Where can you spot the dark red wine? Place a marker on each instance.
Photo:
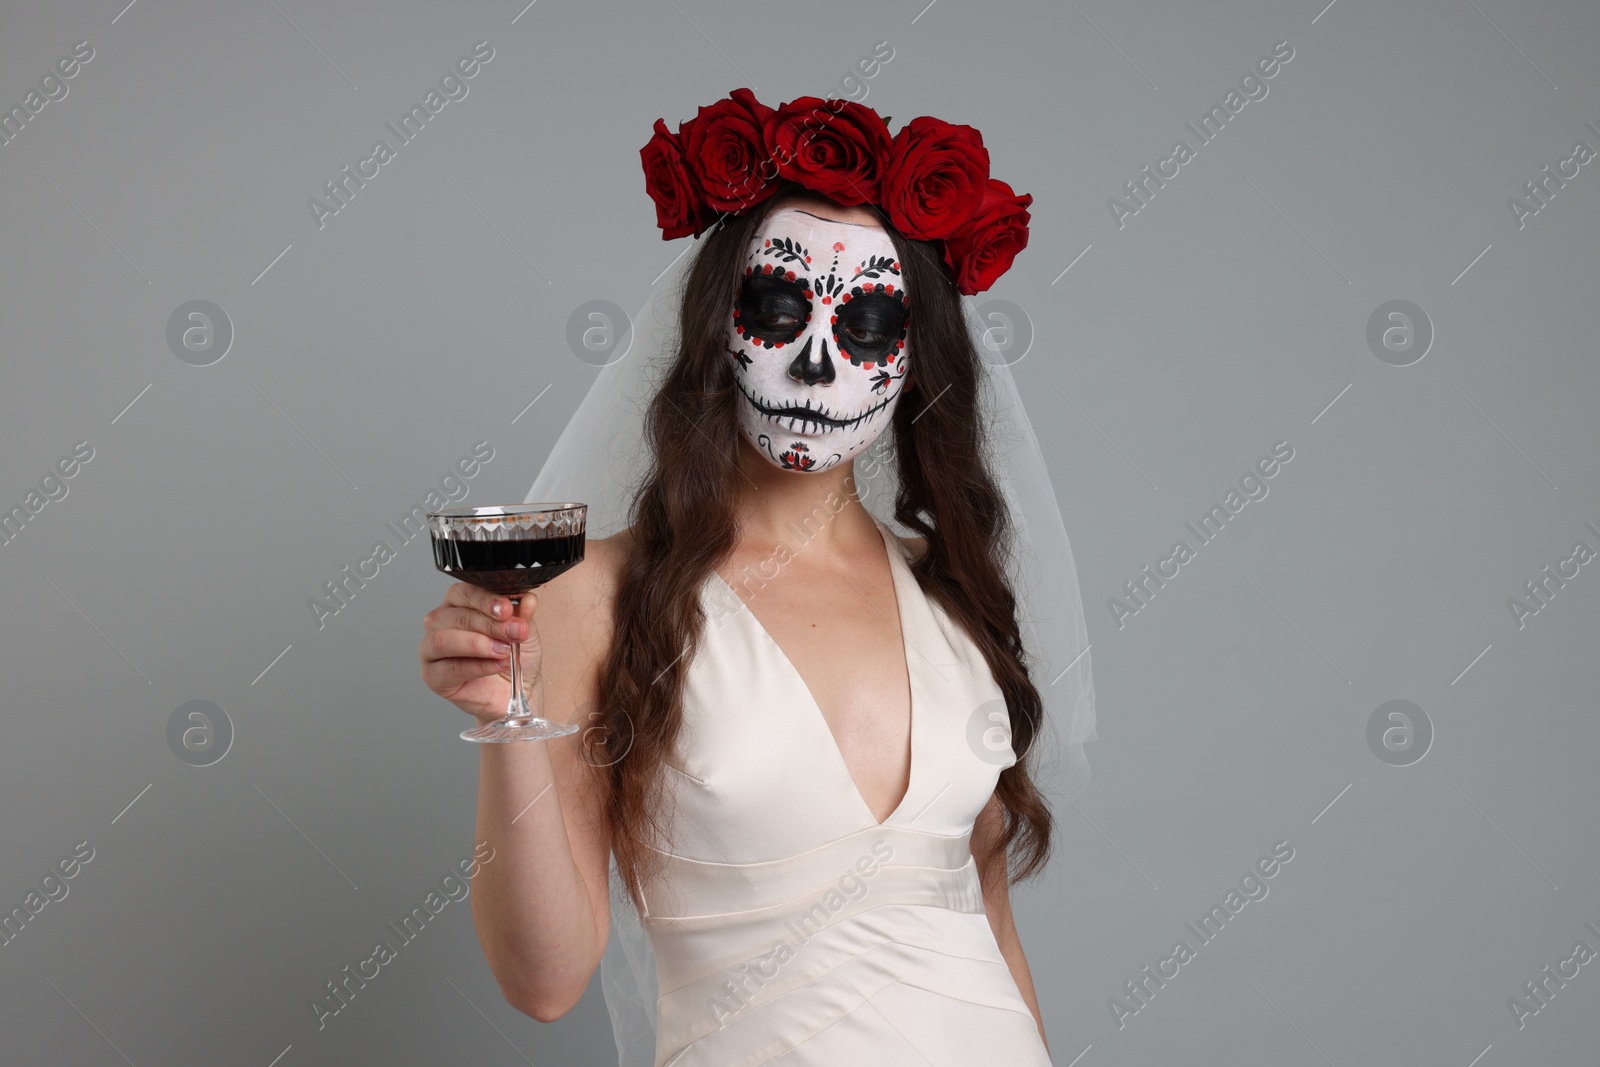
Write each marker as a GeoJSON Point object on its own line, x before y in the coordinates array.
{"type": "Point", "coordinates": [508, 567]}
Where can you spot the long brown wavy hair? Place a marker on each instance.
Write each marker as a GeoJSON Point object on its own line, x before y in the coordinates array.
{"type": "Point", "coordinates": [683, 524]}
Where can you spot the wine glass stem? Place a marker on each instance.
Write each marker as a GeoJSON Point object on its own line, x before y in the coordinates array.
{"type": "Point", "coordinates": [517, 708]}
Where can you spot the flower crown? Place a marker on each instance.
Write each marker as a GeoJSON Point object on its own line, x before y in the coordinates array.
{"type": "Point", "coordinates": [931, 179]}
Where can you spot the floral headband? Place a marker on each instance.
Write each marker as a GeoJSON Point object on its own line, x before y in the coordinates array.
{"type": "Point", "coordinates": [931, 179]}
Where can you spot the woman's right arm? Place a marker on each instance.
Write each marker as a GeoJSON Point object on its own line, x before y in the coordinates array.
{"type": "Point", "coordinates": [542, 904]}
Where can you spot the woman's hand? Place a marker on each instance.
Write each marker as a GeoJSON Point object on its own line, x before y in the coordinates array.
{"type": "Point", "coordinates": [466, 650]}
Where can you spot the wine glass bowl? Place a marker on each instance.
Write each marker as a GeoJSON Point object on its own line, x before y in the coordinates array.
{"type": "Point", "coordinates": [510, 550]}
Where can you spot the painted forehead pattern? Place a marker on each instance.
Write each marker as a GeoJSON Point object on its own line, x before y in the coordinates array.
{"type": "Point", "coordinates": [832, 260]}
{"type": "Point", "coordinates": [794, 228]}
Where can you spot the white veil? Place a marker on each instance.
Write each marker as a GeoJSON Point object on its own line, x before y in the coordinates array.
{"type": "Point", "coordinates": [599, 458]}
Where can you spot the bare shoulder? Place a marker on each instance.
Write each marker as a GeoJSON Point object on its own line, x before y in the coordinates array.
{"type": "Point", "coordinates": [912, 547]}
{"type": "Point", "coordinates": [576, 609]}
{"type": "Point", "coordinates": [604, 559]}
{"type": "Point", "coordinates": [591, 586]}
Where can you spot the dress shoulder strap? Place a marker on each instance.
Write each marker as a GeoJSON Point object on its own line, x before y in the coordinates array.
{"type": "Point", "coordinates": [907, 553]}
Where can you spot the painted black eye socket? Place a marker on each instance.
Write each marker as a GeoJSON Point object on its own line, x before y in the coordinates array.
{"type": "Point", "coordinates": [870, 326]}
{"type": "Point", "coordinates": [771, 309]}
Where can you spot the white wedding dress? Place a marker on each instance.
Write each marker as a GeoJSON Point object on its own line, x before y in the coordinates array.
{"type": "Point", "coordinates": [789, 927]}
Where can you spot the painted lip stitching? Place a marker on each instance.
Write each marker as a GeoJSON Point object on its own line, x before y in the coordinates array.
{"type": "Point", "coordinates": [808, 414]}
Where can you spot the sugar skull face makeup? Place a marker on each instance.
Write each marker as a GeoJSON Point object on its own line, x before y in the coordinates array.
{"type": "Point", "coordinates": [818, 335]}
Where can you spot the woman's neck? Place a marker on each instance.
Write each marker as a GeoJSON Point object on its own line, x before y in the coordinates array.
{"type": "Point", "coordinates": [776, 503]}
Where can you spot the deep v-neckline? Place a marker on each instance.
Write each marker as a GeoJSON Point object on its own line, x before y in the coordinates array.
{"type": "Point", "coordinates": [896, 562]}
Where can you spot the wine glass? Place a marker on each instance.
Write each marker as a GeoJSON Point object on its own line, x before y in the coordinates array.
{"type": "Point", "coordinates": [510, 550]}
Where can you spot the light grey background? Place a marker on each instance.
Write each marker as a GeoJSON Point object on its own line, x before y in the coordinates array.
{"type": "Point", "coordinates": [1227, 315]}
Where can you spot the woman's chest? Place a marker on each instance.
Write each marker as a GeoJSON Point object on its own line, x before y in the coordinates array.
{"type": "Point", "coordinates": [757, 772]}
{"type": "Point", "coordinates": [843, 638]}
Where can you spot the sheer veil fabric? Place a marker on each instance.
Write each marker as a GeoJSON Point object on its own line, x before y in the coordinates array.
{"type": "Point", "coordinates": [599, 459]}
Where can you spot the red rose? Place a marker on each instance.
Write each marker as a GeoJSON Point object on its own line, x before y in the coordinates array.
{"type": "Point", "coordinates": [680, 211]}
{"type": "Point", "coordinates": [838, 148]}
{"type": "Point", "coordinates": [983, 249]}
{"type": "Point", "coordinates": [936, 178]}
{"type": "Point", "coordinates": [725, 147]}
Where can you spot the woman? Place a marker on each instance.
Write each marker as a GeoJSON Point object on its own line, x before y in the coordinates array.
{"type": "Point", "coordinates": [781, 691]}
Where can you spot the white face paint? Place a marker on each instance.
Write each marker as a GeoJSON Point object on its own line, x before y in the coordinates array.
{"type": "Point", "coordinates": [818, 338]}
